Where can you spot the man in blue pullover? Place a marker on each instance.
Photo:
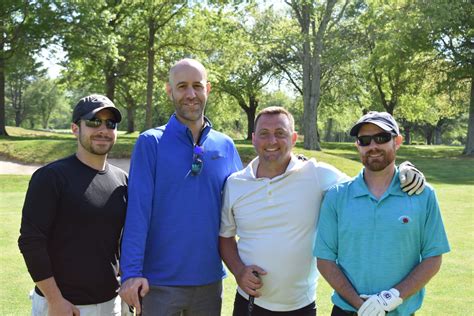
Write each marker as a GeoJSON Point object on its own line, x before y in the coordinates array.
{"type": "Point", "coordinates": [170, 256]}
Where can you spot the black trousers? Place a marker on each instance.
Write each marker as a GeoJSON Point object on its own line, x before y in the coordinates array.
{"type": "Point", "coordinates": [241, 309]}
{"type": "Point", "coordinates": [336, 311]}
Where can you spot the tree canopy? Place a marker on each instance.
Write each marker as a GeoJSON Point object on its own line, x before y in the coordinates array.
{"type": "Point", "coordinates": [328, 61]}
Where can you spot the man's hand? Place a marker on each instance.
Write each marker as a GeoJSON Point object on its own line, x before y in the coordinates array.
{"type": "Point", "coordinates": [386, 301]}
{"type": "Point", "coordinates": [248, 281]}
{"type": "Point", "coordinates": [62, 307]}
{"type": "Point", "coordinates": [412, 180]}
{"type": "Point", "coordinates": [130, 290]}
{"type": "Point", "coordinates": [371, 307]}
{"type": "Point", "coordinates": [389, 299]}
{"type": "Point", "coordinates": [57, 304]}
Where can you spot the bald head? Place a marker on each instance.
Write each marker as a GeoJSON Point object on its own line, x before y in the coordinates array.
{"type": "Point", "coordinates": [184, 63]}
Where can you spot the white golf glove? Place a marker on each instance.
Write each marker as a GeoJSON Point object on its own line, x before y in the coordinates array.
{"type": "Point", "coordinates": [385, 301]}
{"type": "Point", "coordinates": [412, 180]}
{"type": "Point", "coordinates": [371, 307]}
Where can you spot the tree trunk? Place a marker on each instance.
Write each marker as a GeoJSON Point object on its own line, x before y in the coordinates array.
{"type": "Point", "coordinates": [250, 122]}
{"type": "Point", "coordinates": [150, 72]}
{"type": "Point", "coordinates": [47, 113]}
{"type": "Point", "coordinates": [438, 131]}
{"type": "Point", "coordinates": [328, 136]}
{"type": "Point", "coordinates": [429, 135]}
{"type": "Point", "coordinates": [18, 105]}
{"type": "Point", "coordinates": [3, 123]}
{"type": "Point", "coordinates": [437, 135]}
{"type": "Point", "coordinates": [250, 111]}
{"type": "Point", "coordinates": [308, 127]}
{"type": "Point", "coordinates": [312, 142]}
{"type": "Point", "coordinates": [131, 106]}
{"type": "Point", "coordinates": [110, 81]}
{"type": "Point", "coordinates": [44, 119]}
{"type": "Point", "coordinates": [312, 70]}
{"type": "Point", "coordinates": [407, 135]}
{"type": "Point", "coordinates": [3, 131]}
{"type": "Point", "coordinates": [18, 118]}
{"type": "Point", "coordinates": [130, 119]}
{"type": "Point", "coordinates": [469, 149]}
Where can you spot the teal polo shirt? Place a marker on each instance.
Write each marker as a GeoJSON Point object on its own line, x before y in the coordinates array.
{"type": "Point", "coordinates": [377, 243]}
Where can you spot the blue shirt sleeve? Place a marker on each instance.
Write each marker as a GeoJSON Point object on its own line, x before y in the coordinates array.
{"type": "Point", "coordinates": [326, 244]}
{"type": "Point", "coordinates": [140, 202]}
{"type": "Point", "coordinates": [435, 241]}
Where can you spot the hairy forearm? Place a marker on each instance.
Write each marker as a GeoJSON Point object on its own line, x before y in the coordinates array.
{"type": "Point", "coordinates": [50, 289]}
{"type": "Point", "coordinates": [230, 254]}
{"type": "Point", "coordinates": [57, 304]}
{"type": "Point", "coordinates": [419, 276]}
{"type": "Point", "coordinates": [339, 282]}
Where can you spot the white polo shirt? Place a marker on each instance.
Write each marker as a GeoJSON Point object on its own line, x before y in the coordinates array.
{"type": "Point", "coordinates": [275, 220]}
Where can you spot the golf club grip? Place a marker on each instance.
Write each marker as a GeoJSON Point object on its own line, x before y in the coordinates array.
{"type": "Point", "coordinates": [140, 299]}
{"type": "Point", "coordinates": [251, 298]}
{"type": "Point", "coordinates": [250, 306]}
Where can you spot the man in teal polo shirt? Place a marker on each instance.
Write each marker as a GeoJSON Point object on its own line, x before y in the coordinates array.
{"type": "Point", "coordinates": [376, 246]}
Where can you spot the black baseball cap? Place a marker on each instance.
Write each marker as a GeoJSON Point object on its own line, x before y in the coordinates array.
{"type": "Point", "coordinates": [382, 119]}
{"type": "Point", "coordinates": [88, 106]}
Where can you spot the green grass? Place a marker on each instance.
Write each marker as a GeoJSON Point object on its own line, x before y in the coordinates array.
{"type": "Point", "coordinates": [449, 293]}
{"type": "Point", "coordinates": [40, 147]}
{"type": "Point", "coordinates": [15, 280]}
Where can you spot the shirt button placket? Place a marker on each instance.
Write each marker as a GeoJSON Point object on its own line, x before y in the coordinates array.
{"type": "Point", "coordinates": [269, 192]}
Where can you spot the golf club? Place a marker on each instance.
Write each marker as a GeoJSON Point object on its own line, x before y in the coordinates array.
{"type": "Point", "coordinates": [251, 298]}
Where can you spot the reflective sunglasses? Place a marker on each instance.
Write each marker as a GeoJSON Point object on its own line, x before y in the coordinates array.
{"type": "Point", "coordinates": [380, 138]}
{"type": "Point", "coordinates": [197, 164]}
{"type": "Point", "coordinates": [95, 123]}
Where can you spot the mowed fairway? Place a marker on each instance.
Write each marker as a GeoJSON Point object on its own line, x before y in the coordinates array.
{"type": "Point", "coordinates": [15, 282]}
{"type": "Point", "coordinates": [449, 293]}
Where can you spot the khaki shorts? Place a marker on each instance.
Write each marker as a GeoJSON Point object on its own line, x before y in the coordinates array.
{"type": "Point", "coordinates": [110, 308]}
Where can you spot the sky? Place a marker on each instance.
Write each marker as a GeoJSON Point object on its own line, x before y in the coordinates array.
{"type": "Point", "coordinates": [51, 57]}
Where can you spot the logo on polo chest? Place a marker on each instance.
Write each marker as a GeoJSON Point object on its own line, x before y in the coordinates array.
{"type": "Point", "coordinates": [404, 219]}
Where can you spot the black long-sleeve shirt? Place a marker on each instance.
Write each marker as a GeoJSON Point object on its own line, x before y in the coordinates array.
{"type": "Point", "coordinates": [71, 226]}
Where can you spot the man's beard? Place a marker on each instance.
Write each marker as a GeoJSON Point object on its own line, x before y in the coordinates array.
{"type": "Point", "coordinates": [378, 163]}
{"type": "Point", "coordinates": [95, 149]}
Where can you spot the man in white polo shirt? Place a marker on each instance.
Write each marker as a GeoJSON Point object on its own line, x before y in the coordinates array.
{"type": "Point", "coordinates": [273, 206]}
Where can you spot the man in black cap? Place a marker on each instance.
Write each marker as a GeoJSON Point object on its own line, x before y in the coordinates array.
{"type": "Point", "coordinates": [376, 246]}
{"type": "Point", "coordinates": [72, 220]}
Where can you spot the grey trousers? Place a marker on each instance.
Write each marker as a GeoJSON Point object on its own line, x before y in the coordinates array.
{"type": "Point", "coordinates": [205, 300]}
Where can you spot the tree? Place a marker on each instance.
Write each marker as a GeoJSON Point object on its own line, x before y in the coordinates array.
{"type": "Point", "coordinates": [313, 34]}
{"type": "Point", "coordinates": [24, 26]}
{"type": "Point", "coordinates": [94, 58]}
{"type": "Point", "coordinates": [44, 96]}
{"type": "Point", "coordinates": [158, 15]}
{"type": "Point", "coordinates": [23, 70]}
{"type": "Point", "coordinates": [244, 67]}
{"type": "Point", "coordinates": [124, 52]}
{"type": "Point", "coordinates": [450, 26]}
{"type": "Point", "coordinates": [245, 85]}
{"type": "Point", "coordinates": [395, 64]}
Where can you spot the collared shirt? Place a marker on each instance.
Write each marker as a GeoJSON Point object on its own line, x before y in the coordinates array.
{"type": "Point", "coordinates": [172, 226]}
{"type": "Point", "coordinates": [275, 220]}
{"type": "Point", "coordinates": [377, 242]}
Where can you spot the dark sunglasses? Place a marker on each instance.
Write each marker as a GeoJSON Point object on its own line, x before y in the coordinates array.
{"type": "Point", "coordinates": [95, 123]}
{"type": "Point", "coordinates": [197, 164]}
{"type": "Point", "coordinates": [380, 138]}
